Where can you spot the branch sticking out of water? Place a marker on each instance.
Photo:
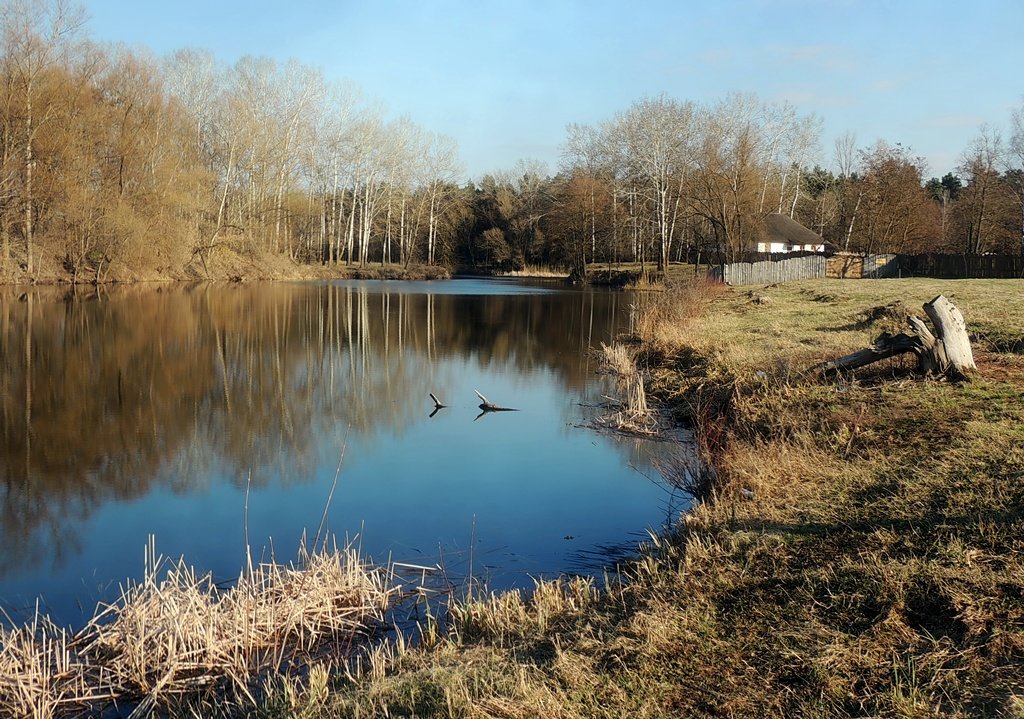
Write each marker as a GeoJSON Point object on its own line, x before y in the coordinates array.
{"type": "Point", "coordinates": [487, 406]}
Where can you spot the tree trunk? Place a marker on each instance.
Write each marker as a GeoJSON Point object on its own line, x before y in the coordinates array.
{"type": "Point", "coordinates": [487, 406]}
{"type": "Point", "coordinates": [853, 219]}
{"type": "Point", "coordinates": [952, 333]}
{"type": "Point", "coordinates": [28, 181]}
{"type": "Point", "coordinates": [946, 353]}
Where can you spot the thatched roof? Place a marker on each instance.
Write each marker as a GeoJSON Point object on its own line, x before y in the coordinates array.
{"type": "Point", "coordinates": [780, 228]}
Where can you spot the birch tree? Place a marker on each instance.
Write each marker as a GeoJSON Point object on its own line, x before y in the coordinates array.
{"type": "Point", "coordinates": [656, 137]}
{"type": "Point", "coordinates": [35, 35]}
{"type": "Point", "coordinates": [195, 80]}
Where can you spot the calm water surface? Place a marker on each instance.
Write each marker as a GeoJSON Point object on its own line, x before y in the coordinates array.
{"type": "Point", "coordinates": [149, 412]}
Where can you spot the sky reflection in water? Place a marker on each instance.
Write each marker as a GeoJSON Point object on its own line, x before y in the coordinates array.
{"type": "Point", "coordinates": [149, 412]}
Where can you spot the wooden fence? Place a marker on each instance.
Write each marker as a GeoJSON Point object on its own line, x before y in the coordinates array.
{"type": "Point", "coordinates": [956, 267]}
{"type": "Point", "coordinates": [766, 273]}
{"type": "Point", "coordinates": [852, 266]}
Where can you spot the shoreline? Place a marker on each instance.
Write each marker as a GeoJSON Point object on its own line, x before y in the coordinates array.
{"type": "Point", "coordinates": [858, 546]}
{"type": "Point", "coordinates": [232, 267]}
{"type": "Point", "coordinates": [857, 551]}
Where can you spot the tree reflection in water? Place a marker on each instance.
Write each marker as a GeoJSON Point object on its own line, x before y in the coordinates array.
{"type": "Point", "coordinates": [110, 395]}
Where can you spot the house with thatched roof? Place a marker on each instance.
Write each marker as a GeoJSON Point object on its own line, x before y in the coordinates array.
{"type": "Point", "coordinates": [784, 234]}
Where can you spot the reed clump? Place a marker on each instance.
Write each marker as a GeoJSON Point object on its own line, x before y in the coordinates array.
{"type": "Point", "coordinates": [175, 641]}
{"type": "Point", "coordinates": [633, 415]}
{"type": "Point", "coordinates": [669, 319]}
{"type": "Point", "coordinates": [662, 322]}
{"type": "Point", "coordinates": [542, 271]}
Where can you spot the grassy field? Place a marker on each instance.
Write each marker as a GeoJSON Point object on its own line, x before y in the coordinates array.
{"type": "Point", "coordinates": [860, 549]}
{"type": "Point", "coordinates": [870, 527]}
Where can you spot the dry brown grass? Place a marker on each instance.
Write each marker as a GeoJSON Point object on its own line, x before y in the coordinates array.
{"type": "Point", "coordinates": [669, 319]}
{"type": "Point", "coordinates": [632, 414]}
{"type": "Point", "coordinates": [800, 322]}
{"type": "Point", "coordinates": [538, 271]}
{"type": "Point", "coordinates": [647, 283]}
{"type": "Point", "coordinates": [662, 321]}
{"type": "Point", "coordinates": [377, 271]}
{"type": "Point", "coordinates": [859, 554]}
{"type": "Point", "coordinates": [176, 641]}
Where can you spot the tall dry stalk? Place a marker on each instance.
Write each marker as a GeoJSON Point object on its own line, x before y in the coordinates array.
{"type": "Point", "coordinates": [633, 414]}
{"type": "Point", "coordinates": [666, 319]}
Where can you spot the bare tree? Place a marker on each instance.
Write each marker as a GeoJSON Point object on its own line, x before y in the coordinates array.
{"type": "Point", "coordinates": [1015, 166]}
{"type": "Point", "coordinates": [845, 152]}
{"type": "Point", "coordinates": [979, 167]}
{"type": "Point", "coordinates": [656, 138]}
{"type": "Point", "coordinates": [35, 34]}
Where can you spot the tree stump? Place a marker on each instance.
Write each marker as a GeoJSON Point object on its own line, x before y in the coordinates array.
{"type": "Point", "coordinates": [947, 352]}
{"type": "Point", "coordinates": [954, 354]}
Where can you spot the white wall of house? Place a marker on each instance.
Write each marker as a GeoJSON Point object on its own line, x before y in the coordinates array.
{"type": "Point", "coordinates": [784, 247]}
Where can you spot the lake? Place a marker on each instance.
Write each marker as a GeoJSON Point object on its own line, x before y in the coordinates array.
{"type": "Point", "coordinates": [206, 414]}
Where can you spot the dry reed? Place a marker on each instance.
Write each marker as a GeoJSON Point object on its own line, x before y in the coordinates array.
{"type": "Point", "coordinates": [647, 283]}
{"type": "Point", "coordinates": [669, 318]}
{"type": "Point", "coordinates": [633, 414]}
{"type": "Point", "coordinates": [176, 640]}
{"type": "Point", "coordinates": [537, 271]}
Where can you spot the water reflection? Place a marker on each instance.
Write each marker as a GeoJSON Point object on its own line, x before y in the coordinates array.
{"type": "Point", "coordinates": [118, 402]}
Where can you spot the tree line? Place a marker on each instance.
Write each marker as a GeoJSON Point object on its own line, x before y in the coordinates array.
{"type": "Point", "coordinates": [114, 162]}
{"type": "Point", "coordinates": [111, 157]}
{"type": "Point", "coordinates": [667, 180]}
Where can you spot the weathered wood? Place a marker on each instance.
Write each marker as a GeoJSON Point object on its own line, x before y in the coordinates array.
{"type": "Point", "coordinates": [487, 406]}
{"type": "Point", "coordinates": [765, 273]}
{"type": "Point", "coordinates": [927, 362]}
{"type": "Point", "coordinates": [437, 404]}
{"type": "Point", "coordinates": [887, 345]}
{"type": "Point", "coordinates": [956, 357]}
{"type": "Point", "coordinates": [948, 352]}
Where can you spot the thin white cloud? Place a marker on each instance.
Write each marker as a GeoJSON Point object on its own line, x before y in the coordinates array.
{"type": "Point", "coordinates": [958, 120]}
{"type": "Point", "coordinates": [717, 56]}
{"type": "Point", "coordinates": [808, 99]}
{"type": "Point", "coordinates": [829, 57]}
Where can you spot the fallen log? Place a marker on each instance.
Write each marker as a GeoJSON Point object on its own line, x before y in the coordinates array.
{"type": "Point", "coordinates": [487, 406]}
{"type": "Point", "coordinates": [885, 345]}
{"type": "Point", "coordinates": [947, 352]}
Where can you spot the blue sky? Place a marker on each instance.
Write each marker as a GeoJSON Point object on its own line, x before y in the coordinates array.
{"type": "Point", "coordinates": [505, 77]}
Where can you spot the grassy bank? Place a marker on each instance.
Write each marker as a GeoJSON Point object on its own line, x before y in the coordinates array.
{"type": "Point", "coordinates": [859, 552]}
{"type": "Point", "coordinates": [633, 275]}
{"type": "Point", "coordinates": [226, 265]}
